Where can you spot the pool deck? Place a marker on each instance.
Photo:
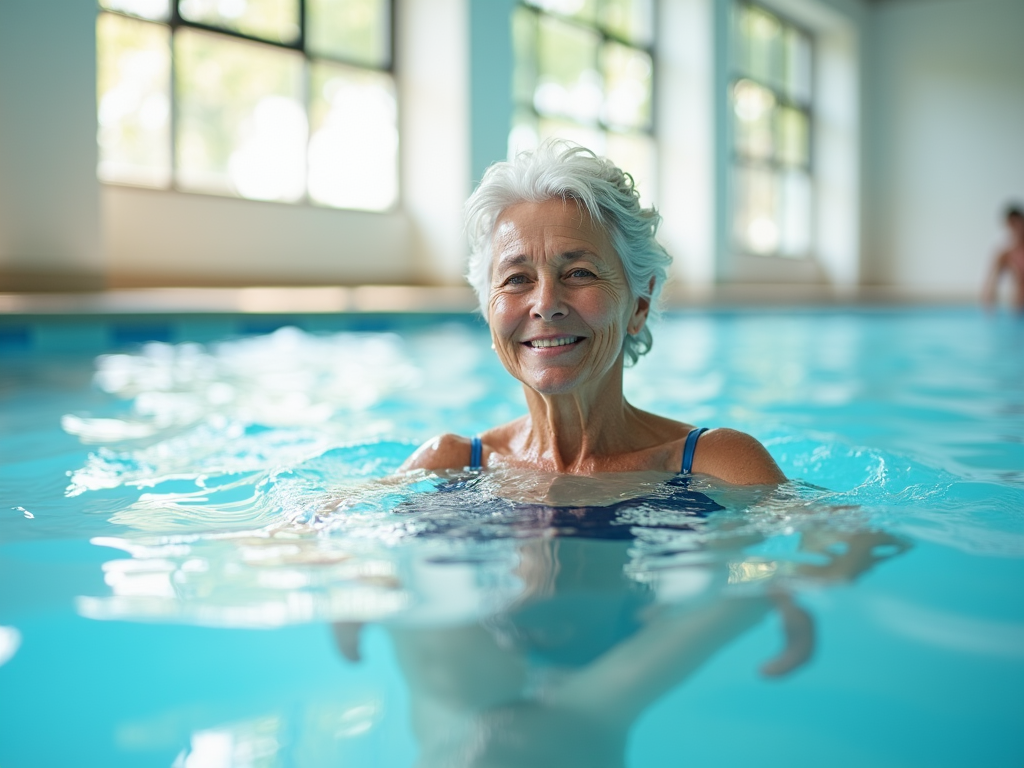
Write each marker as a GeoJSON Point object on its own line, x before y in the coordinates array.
{"type": "Point", "coordinates": [407, 298]}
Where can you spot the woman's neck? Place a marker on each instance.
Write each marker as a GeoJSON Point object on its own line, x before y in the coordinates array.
{"type": "Point", "coordinates": [570, 432]}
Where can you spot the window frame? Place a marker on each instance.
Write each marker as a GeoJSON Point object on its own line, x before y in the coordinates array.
{"type": "Point", "coordinates": [606, 36]}
{"type": "Point", "coordinates": [738, 160]}
{"type": "Point", "coordinates": [175, 21]}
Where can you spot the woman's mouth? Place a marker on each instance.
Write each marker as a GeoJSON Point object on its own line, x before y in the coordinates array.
{"type": "Point", "coordinates": [560, 341]}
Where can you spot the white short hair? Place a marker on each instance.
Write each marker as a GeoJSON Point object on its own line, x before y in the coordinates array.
{"type": "Point", "coordinates": [560, 169]}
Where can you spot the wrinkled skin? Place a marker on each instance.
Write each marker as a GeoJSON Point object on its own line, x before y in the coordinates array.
{"type": "Point", "coordinates": [556, 275]}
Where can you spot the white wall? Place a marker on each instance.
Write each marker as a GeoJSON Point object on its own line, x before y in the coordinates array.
{"type": "Point", "coordinates": [49, 199]}
{"type": "Point", "coordinates": [61, 229]}
{"type": "Point", "coordinates": [172, 238]}
{"type": "Point", "coordinates": [433, 71]}
{"type": "Point", "coordinates": [945, 139]}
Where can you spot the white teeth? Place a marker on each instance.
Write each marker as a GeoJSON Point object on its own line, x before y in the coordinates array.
{"type": "Point", "coordinates": [554, 342]}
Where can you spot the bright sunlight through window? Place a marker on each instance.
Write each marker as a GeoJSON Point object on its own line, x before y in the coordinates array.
{"type": "Point", "coordinates": [283, 100]}
{"type": "Point", "coordinates": [771, 103]}
{"type": "Point", "coordinates": [584, 71]}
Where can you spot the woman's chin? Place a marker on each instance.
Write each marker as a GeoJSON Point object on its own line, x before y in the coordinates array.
{"type": "Point", "coordinates": [552, 391]}
{"type": "Point", "coordinates": [565, 379]}
{"type": "Point", "coordinates": [552, 381]}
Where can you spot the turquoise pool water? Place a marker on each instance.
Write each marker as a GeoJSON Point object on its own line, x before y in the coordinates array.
{"type": "Point", "coordinates": [201, 565]}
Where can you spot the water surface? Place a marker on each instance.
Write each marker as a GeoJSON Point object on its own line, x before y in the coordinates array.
{"type": "Point", "coordinates": [205, 564]}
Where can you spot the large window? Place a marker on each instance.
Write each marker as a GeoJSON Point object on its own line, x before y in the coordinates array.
{"type": "Point", "coordinates": [584, 71]}
{"type": "Point", "coordinates": [771, 103]}
{"type": "Point", "coordinates": [287, 100]}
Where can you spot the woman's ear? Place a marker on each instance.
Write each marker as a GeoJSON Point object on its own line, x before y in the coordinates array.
{"type": "Point", "coordinates": [641, 310]}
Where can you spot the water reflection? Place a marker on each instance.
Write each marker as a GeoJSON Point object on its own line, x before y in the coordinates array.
{"type": "Point", "coordinates": [527, 631]}
{"type": "Point", "coordinates": [599, 630]}
{"type": "Point", "coordinates": [10, 640]}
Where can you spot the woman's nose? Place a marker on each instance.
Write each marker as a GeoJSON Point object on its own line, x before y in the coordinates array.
{"type": "Point", "coordinates": [548, 300]}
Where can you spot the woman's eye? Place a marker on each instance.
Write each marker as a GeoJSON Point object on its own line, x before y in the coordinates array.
{"type": "Point", "coordinates": [580, 272]}
{"type": "Point", "coordinates": [515, 280]}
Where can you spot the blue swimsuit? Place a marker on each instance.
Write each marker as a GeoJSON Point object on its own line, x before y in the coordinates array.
{"type": "Point", "coordinates": [574, 627]}
{"type": "Point", "coordinates": [614, 521]}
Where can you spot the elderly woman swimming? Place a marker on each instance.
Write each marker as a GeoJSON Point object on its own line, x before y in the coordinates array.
{"type": "Point", "coordinates": [567, 269]}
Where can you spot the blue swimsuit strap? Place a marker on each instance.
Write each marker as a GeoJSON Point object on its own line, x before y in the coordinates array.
{"type": "Point", "coordinates": [690, 447]}
{"type": "Point", "coordinates": [476, 453]}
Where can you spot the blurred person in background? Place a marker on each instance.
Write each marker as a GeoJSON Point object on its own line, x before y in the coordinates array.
{"type": "Point", "coordinates": [1010, 259]}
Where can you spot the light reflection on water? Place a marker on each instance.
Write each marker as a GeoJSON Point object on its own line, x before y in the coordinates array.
{"type": "Point", "coordinates": [403, 554]}
{"type": "Point", "coordinates": [242, 487]}
{"type": "Point", "coordinates": [256, 458]}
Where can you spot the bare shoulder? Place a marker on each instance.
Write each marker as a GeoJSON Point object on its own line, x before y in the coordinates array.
{"type": "Point", "coordinates": [735, 457]}
{"type": "Point", "coordinates": [442, 452]}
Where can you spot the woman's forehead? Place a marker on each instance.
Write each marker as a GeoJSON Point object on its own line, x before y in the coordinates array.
{"type": "Point", "coordinates": [568, 210]}
{"type": "Point", "coordinates": [528, 226]}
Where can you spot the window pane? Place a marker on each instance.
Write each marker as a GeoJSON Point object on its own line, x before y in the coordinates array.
{"type": "Point", "coordinates": [591, 138]}
{"type": "Point", "coordinates": [756, 226]}
{"type": "Point", "coordinates": [740, 38]}
{"type": "Point", "coordinates": [572, 82]}
{"type": "Point", "coordinates": [793, 144]}
{"type": "Point", "coordinates": [133, 101]}
{"type": "Point", "coordinates": [761, 45]}
{"type": "Point", "coordinates": [634, 153]}
{"type": "Point", "coordinates": [241, 122]}
{"type": "Point", "coordinates": [772, 123]}
{"type": "Point", "coordinates": [584, 10]}
{"type": "Point", "coordinates": [795, 190]}
{"type": "Point", "coordinates": [353, 30]}
{"type": "Point", "coordinates": [524, 51]}
{"type": "Point", "coordinates": [569, 82]}
{"type": "Point", "coordinates": [754, 108]}
{"type": "Point", "coordinates": [525, 133]}
{"type": "Point", "coordinates": [353, 151]}
{"type": "Point", "coordinates": [270, 19]}
{"type": "Point", "coordinates": [627, 78]}
{"type": "Point", "coordinates": [798, 66]}
{"type": "Point", "coordinates": [631, 20]}
{"type": "Point", "coordinates": [157, 10]}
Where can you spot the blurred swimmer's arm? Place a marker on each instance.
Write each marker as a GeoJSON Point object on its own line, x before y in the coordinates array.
{"type": "Point", "coordinates": [988, 294]}
{"type": "Point", "coordinates": [736, 458]}
{"type": "Point", "coordinates": [671, 647]}
{"type": "Point", "coordinates": [845, 555]}
{"type": "Point", "coordinates": [441, 452]}
{"type": "Point", "coordinates": [346, 639]}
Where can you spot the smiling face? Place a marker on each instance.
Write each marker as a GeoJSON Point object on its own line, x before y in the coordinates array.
{"type": "Point", "coordinates": [559, 306]}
